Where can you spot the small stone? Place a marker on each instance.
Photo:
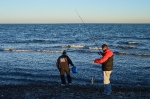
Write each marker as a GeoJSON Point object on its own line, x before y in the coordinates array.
{"type": "Point", "coordinates": [131, 94]}
{"type": "Point", "coordinates": [71, 94]}
{"type": "Point", "coordinates": [120, 93]}
{"type": "Point", "coordinates": [2, 95]}
{"type": "Point", "coordinates": [120, 97]}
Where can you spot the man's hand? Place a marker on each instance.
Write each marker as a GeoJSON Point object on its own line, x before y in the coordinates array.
{"type": "Point", "coordinates": [100, 53]}
{"type": "Point", "coordinates": [93, 62]}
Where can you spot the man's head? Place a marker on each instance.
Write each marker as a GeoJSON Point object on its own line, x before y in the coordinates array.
{"type": "Point", "coordinates": [104, 47]}
{"type": "Point", "coordinates": [64, 52]}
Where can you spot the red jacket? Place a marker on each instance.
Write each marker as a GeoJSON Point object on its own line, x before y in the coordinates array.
{"type": "Point", "coordinates": [106, 60]}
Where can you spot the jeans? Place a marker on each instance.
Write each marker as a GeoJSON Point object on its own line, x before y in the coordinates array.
{"type": "Point", "coordinates": [106, 81]}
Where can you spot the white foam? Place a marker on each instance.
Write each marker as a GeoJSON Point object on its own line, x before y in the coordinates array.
{"type": "Point", "coordinates": [94, 48]}
{"type": "Point", "coordinates": [132, 42]}
{"type": "Point", "coordinates": [76, 46]}
{"type": "Point", "coordinates": [52, 51]}
{"type": "Point", "coordinates": [24, 50]}
{"type": "Point", "coordinates": [143, 54]}
{"type": "Point", "coordinates": [7, 49]}
{"type": "Point", "coordinates": [65, 46]}
{"type": "Point", "coordinates": [73, 46]}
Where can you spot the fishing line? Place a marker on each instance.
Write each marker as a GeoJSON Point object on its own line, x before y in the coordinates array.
{"type": "Point", "coordinates": [92, 80]}
{"type": "Point", "coordinates": [88, 31]}
{"type": "Point", "coordinates": [93, 40]}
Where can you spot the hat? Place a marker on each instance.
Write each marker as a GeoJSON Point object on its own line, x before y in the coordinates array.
{"type": "Point", "coordinates": [104, 45]}
{"type": "Point", "coordinates": [64, 52]}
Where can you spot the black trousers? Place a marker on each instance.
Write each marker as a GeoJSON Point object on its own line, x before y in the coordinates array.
{"type": "Point", "coordinates": [63, 81]}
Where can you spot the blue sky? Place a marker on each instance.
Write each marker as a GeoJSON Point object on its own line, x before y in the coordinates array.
{"type": "Point", "coordinates": [63, 11]}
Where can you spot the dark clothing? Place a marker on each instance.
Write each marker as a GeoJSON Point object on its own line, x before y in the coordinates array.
{"type": "Point", "coordinates": [64, 61]}
{"type": "Point", "coordinates": [63, 81]}
{"type": "Point", "coordinates": [108, 64]}
{"type": "Point", "coordinates": [63, 65]}
{"type": "Point", "coordinates": [106, 60]}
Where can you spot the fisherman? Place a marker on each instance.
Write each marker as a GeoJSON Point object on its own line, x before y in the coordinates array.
{"type": "Point", "coordinates": [63, 65]}
{"type": "Point", "coordinates": [107, 65]}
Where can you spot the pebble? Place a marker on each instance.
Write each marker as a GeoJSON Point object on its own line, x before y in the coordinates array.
{"type": "Point", "coordinates": [131, 94]}
{"type": "Point", "coordinates": [73, 92]}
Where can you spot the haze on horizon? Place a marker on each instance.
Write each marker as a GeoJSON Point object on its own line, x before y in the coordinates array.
{"type": "Point", "coordinates": [63, 11]}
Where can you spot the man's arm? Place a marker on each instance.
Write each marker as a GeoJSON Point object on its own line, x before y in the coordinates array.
{"type": "Point", "coordinates": [101, 60]}
{"type": "Point", "coordinates": [69, 61]}
{"type": "Point", "coordinates": [57, 63]}
{"type": "Point", "coordinates": [104, 58]}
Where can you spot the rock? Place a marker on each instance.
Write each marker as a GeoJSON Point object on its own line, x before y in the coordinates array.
{"type": "Point", "coordinates": [120, 94]}
{"type": "Point", "coordinates": [2, 95]}
{"type": "Point", "coordinates": [120, 97]}
{"type": "Point", "coordinates": [131, 94]}
{"type": "Point", "coordinates": [55, 91]}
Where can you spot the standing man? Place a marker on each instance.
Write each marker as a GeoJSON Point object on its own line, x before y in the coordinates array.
{"type": "Point", "coordinates": [63, 65]}
{"type": "Point", "coordinates": [107, 65]}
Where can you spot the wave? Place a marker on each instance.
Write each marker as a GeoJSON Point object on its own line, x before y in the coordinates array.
{"type": "Point", "coordinates": [30, 41]}
{"type": "Point", "coordinates": [136, 54]}
{"type": "Point", "coordinates": [73, 46]}
{"type": "Point", "coordinates": [57, 49]}
{"type": "Point", "coordinates": [132, 43]}
{"type": "Point", "coordinates": [94, 48]}
{"type": "Point", "coordinates": [144, 38]}
{"type": "Point", "coordinates": [28, 50]}
{"type": "Point", "coordinates": [127, 42]}
{"type": "Point", "coordinates": [83, 49]}
{"type": "Point", "coordinates": [126, 47]}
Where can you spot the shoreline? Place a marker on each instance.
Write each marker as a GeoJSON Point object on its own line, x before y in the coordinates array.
{"type": "Point", "coordinates": [75, 91]}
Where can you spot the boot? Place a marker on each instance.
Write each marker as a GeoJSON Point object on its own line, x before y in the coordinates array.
{"type": "Point", "coordinates": [63, 81]}
{"type": "Point", "coordinates": [107, 89]}
{"type": "Point", "coordinates": [69, 79]}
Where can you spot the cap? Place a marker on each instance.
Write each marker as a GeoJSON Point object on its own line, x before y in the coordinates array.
{"type": "Point", "coordinates": [64, 52]}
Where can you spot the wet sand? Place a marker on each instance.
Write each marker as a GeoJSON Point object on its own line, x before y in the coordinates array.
{"type": "Point", "coordinates": [75, 91]}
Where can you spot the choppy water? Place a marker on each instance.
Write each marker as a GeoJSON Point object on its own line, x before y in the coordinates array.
{"type": "Point", "coordinates": [29, 51]}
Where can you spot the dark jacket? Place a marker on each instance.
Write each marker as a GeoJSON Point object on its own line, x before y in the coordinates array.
{"type": "Point", "coordinates": [106, 60]}
{"type": "Point", "coordinates": [63, 62]}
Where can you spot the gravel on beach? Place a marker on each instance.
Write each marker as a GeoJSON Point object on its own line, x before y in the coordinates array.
{"type": "Point", "coordinates": [75, 91]}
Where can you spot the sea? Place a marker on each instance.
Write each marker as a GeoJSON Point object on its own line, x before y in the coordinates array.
{"type": "Point", "coordinates": [28, 53]}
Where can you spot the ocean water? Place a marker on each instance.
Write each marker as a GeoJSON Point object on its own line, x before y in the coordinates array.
{"type": "Point", "coordinates": [28, 52]}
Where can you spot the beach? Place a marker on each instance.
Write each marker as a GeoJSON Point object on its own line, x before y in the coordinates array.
{"type": "Point", "coordinates": [74, 91]}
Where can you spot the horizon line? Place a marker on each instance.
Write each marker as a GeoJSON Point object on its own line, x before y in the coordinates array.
{"type": "Point", "coordinates": [81, 23]}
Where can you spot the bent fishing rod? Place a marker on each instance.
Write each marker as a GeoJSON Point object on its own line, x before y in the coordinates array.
{"type": "Point", "coordinates": [88, 31]}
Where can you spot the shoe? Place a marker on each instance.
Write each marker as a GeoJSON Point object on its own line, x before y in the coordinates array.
{"type": "Point", "coordinates": [63, 85]}
{"type": "Point", "coordinates": [107, 89]}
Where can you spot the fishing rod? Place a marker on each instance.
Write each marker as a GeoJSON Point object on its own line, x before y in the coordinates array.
{"type": "Point", "coordinates": [88, 31]}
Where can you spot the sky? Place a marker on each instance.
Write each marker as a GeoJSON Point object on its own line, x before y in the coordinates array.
{"type": "Point", "coordinates": [64, 11]}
